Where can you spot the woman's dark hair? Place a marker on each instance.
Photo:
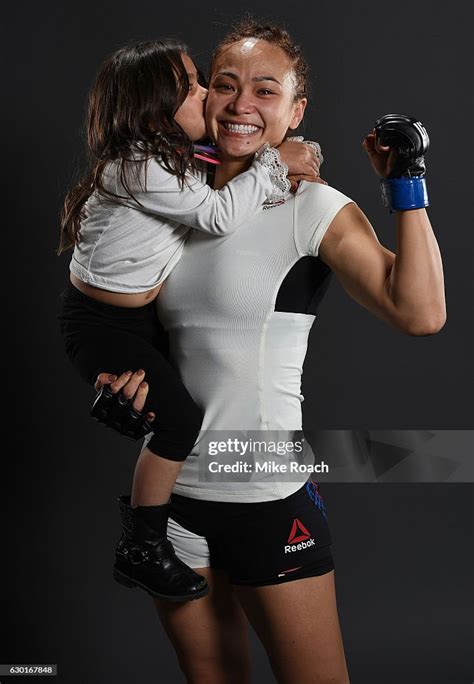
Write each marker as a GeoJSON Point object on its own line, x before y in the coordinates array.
{"type": "Point", "coordinates": [139, 87]}
{"type": "Point", "coordinates": [275, 35]}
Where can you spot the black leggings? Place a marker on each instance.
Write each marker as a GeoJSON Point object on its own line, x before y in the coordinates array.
{"type": "Point", "coordinates": [100, 337]}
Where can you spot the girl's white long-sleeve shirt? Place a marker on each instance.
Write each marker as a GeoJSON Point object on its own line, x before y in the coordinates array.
{"type": "Point", "coordinates": [131, 246]}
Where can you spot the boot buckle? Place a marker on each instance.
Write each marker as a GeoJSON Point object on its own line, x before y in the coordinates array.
{"type": "Point", "coordinates": [138, 554]}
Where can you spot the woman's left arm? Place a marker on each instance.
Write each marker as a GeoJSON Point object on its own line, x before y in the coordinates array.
{"type": "Point", "coordinates": [405, 289]}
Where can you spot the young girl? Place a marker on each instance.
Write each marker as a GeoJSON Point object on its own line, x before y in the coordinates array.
{"type": "Point", "coordinates": [128, 221]}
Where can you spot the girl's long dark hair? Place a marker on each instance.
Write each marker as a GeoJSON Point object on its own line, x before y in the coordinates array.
{"type": "Point", "coordinates": [139, 85]}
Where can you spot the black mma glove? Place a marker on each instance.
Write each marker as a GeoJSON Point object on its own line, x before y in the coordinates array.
{"type": "Point", "coordinates": [117, 412]}
{"type": "Point", "coordinates": [405, 186]}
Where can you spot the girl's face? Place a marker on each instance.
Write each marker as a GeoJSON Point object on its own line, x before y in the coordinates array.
{"type": "Point", "coordinates": [190, 115]}
{"type": "Point", "coordinates": [251, 98]}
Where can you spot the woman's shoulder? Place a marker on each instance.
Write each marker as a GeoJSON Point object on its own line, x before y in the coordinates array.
{"type": "Point", "coordinates": [316, 206]}
{"type": "Point", "coordinates": [318, 193]}
{"type": "Point", "coordinates": [315, 200]}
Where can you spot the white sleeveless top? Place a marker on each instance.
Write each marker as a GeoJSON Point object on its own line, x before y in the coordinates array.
{"type": "Point", "coordinates": [239, 358]}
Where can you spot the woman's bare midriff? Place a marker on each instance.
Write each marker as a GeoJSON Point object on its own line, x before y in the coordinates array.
{"type": "Point", "coordinates": [115, 298]}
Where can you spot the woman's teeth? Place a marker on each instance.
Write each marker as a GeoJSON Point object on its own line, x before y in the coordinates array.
{"type": "Point", "coordinates": [243, 129]}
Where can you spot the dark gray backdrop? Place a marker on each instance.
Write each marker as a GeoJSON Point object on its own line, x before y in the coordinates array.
{"type": "Point", "coordinates": [402, 555]}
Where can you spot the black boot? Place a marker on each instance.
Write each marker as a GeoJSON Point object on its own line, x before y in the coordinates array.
{"type": "Point", "coordinates": [145, 557]}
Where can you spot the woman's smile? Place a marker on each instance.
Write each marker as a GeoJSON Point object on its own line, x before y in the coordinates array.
{"type": "Point", "coordinates": [236, 129]}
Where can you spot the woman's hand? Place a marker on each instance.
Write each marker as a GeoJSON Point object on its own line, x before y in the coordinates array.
{"type": "Point", "coordinates": [381, 157]}
{"type": "Point", "coordinates": [132, 386]}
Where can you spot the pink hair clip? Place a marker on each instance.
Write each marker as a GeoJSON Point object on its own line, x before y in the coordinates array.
{"type": "Point", "coordinates": [207, 153]}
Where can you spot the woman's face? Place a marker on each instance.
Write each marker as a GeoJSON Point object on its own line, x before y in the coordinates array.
{"type": "Point", "coordinates": [251, 98]}
{"type": "Point", "coordinates": [190, 116]}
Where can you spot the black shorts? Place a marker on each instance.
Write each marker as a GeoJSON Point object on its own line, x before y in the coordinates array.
{"type": "Point", "coordinates": [256, 544]}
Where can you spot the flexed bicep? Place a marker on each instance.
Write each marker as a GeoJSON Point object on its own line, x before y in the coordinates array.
{"type": "Point", "coordinates": [362, 265]}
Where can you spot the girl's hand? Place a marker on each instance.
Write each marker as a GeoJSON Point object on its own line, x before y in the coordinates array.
{"type": "Point", "coordinates": [381, 157]}
{"type": "Point", "coordinates": [131, 384]}
{"type": "Point", "coordinates": [302, 161]}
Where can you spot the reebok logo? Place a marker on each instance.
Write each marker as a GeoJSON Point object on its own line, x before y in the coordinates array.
{"type": "Point", "coordinates": [300, 538]}
{"type": "Point", "coordinates": [272, 205]}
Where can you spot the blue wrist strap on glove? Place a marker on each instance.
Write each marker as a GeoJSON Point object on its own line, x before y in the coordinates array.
{"type": "Point", "coordinates": [400, 194]}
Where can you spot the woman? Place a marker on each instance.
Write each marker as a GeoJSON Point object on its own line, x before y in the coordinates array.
{"type": "Point", "coordinates": [239, 343]}
{"type": "Point", "coordinates": [128, 220]}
